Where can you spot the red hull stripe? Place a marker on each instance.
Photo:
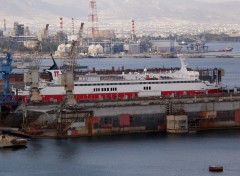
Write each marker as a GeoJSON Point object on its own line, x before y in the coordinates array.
{"type": "Point", "coordinates": [122, 95]}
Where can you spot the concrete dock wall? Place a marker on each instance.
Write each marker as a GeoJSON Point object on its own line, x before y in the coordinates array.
{"type": "Point", "coordinates": [149, 117]}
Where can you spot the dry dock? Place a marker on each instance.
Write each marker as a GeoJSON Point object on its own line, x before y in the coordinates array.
{"type": "Point", "coordinates": [110, 117]}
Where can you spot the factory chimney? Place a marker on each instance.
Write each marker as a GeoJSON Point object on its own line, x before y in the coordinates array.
{"type": "Point", "coordinates": [5, 26]}
{"type": "Point", "coordinates": [73, 26]}
{"type": "Point", "coordinates": [61, 24]}
{"type": "Point", "coordinates": [133, 30]}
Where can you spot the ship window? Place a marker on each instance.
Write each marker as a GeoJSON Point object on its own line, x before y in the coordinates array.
{"type": "Point", "coordinates": [102, 89]}
{"type": "Point", "coordinates": [147, 88]}
{"type": "Point", "coordinates": [107, 89]}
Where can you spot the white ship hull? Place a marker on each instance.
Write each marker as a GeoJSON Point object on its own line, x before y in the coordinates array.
{"type": "Point", "coordinates": [127, 89]}
{"type": "Point", "coordinates": [93, 86]}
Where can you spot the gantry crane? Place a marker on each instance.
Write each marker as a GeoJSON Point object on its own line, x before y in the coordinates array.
{"type": "Point", "coordinates": [6, 97]}
{"type": "Point", "coordinates": [80, 38]}
{"type": "Point", "coordinates": [67, 78]}
{"type": "Point", "coordinates": [42, 39]}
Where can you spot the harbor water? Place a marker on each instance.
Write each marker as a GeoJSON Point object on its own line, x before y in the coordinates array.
{"type": "Point", "coordinates": [138, 154]}
{"type": "Point", "coordinates": [130, 155]}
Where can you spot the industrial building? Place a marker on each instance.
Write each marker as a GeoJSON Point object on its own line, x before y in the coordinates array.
{"type": "Point", "coordinates": [18, 29]}
{"type": "Point", "coordinates": [131, 48]}
{"type": "Point", "coordinates": [164, 46]}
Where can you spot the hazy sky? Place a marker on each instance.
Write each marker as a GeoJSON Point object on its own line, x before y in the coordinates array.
{"type": "Point", "coordinates": [64, 1]}
{"type": "Point", "coordinates": [200, 11]}
{"type": "Point", "coordinates": [219, 0]}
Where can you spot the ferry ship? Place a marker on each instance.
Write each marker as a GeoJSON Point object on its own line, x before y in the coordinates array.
{"type": "Point", "coordinates": [131, 85]}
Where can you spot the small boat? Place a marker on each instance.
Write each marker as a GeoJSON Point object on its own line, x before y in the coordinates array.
{"type": "Point", "coordinates": [183, 43]}
{"type": "Point", "coordinates": [216, 168]}
{"type": "Point", "coordinates": [228, 49]}
{"type": "Point", "coordinates": [7, 141]}
{"type": "Point", "coordinates": [96, 56]}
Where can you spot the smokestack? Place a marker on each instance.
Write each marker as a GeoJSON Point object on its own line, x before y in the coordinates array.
{"type": "Point", "coordinates": [133, 29]}
{"type": "Point", "coordinates": [5, 26]}
{"type": "Point", "coordinates": [72, 25]}
{"type": "Point", "coordinates": [61, 24]}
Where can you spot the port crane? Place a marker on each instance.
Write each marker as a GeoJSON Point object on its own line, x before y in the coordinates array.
{"type": "Point", "coordinates": [42, 39]}
{"type": "Point", "coordinates": [67, 78]}
{"type": "Point", "coordinates": [32, 76]}
{"type": "Point", "coordinates": [80, 37]}
{"type": "Point", "coordinates": [7, 97]}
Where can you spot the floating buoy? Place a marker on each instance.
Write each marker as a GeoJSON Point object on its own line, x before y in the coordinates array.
{"type": "Point", "coordinates": [216, 168]}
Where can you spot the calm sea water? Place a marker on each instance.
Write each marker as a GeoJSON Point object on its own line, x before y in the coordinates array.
{"type": "Point", "coordinates": [130, 155]}
{"type": "Point", "coordinates": [134, 155]}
